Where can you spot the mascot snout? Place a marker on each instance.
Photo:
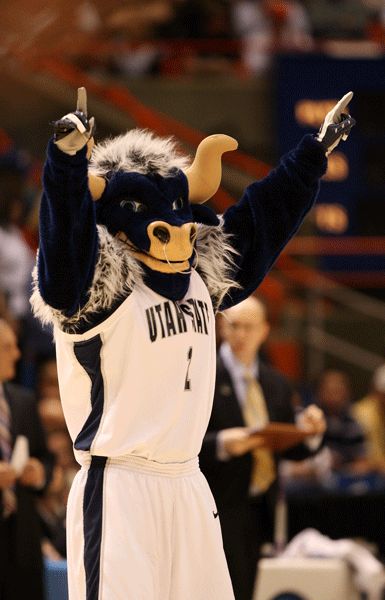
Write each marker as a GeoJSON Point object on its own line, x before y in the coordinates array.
{"type": "Point", "coordinates": [171, 246]}
{"type": "Point", "coordinates": [177, 241]}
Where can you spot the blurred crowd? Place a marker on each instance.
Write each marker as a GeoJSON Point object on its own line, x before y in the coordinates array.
{"type": "Point", "coordinates": [174, 37]}
{"type": "Point", "coordinates": [36, 365]}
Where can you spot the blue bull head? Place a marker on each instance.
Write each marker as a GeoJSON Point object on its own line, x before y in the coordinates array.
{"type": "Point", "coordinates": [149, 198]}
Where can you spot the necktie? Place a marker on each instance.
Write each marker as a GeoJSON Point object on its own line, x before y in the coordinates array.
{"type": "Point", "coordinates": [9, 496]}
{"type": "Point", "coordinates": [255, 415]}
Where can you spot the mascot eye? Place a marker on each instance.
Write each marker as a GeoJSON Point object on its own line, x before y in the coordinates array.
{"type": "Point", "coordinates": [134, 205]}
{"type": "Point", "coordinates": [177, 204]}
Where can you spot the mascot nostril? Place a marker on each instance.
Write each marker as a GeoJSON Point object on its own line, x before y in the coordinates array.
{"type": "Point", "coordinates": [134, 328]}
{"type": "Point", "coordinates": [162, 234]}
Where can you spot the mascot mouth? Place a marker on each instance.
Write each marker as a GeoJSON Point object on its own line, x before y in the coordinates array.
{"type": "Point", "coordinates": [172, 262]}
{"type": "Point", "coordinates": [165, 265]}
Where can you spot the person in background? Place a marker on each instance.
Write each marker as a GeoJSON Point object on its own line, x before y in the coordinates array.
{"type": "Point", "coordinates": [4, 310]}
{"type": "Point", "coordinates": [60, 444]}
{"type": "Point", "coordinates": [21, 573]}
{"type": "Point", "coordinates": [52, 504]}
{"type": "Point", "coordinates": [135, 23]}
{"type": "Point", "coordinates": [339, 19]}
{"type": "Point", "coordinates": [16, 255]}
{"type": "Point", "coordinates": [344, 436]}
{"type": "Point", "coordinates": [52, 417]}
{"type": "Point", "coordinates": [266, 26]}
{"type": "Point", "coordinates": [48, 395]}
{"type": "Point", "coordinates": [353, 455]}
{"type": "Point", "coordinates": [16, 258]}
{"type": "Point", "coordinates": [52, 511]}
{"type": "Point", "coordinates": [370, 413]}
{"type": "Point", "coordinates": [242, 475]}
{"type": "Point", "coordinates": [206, 28]}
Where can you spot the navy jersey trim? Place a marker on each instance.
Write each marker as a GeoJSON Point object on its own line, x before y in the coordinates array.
{"type": "Point", "coordinates": [88, 354]}
{"type": "Point", "coordinates": [92, 525]}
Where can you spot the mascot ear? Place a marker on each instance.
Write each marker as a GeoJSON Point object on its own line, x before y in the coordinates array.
{"type": "Point", "coordinates": [204, 214]}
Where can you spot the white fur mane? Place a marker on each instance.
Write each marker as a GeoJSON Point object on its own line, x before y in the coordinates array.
{"type": "Point", "coordinates": [117, 272]}
{"type": "Point", "coordinates": [140, 151]}
{"type": "Point", "coordinates": [215, 261]}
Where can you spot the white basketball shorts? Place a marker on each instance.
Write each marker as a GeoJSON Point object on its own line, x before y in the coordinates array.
{"type": "Point", "coordinates": [142, 530]}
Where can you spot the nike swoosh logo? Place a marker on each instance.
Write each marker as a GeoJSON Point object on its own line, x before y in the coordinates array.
{"type": "Point", "coordinates": [215, 514]}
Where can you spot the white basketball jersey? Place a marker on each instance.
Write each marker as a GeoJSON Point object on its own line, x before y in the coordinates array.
{"type": "Point", "coordinates": [142, 382]}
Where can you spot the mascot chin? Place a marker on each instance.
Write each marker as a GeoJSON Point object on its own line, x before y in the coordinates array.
{"type": "Point", "coordinates": [131, 269]}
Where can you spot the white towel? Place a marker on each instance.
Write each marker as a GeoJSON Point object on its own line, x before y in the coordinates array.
{"type": "Point", "coordinates": [368, 572]}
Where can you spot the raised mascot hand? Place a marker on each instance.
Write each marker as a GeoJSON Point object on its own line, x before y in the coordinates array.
{"type": "Point", "coordinates": [73, 131]}
{"type": "Point", "coordinates": [337, 125]}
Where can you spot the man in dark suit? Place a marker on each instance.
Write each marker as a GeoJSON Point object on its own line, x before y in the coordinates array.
{"type": "Point", "coordinates": [242, 474]}
{"type": "Point", "coordinates": [21, 566]}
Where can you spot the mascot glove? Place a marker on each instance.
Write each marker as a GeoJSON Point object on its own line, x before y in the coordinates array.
{"type": "Point", "coordinates": [73, 131]}
{"type": "Point", "coordinates": [337, 125]}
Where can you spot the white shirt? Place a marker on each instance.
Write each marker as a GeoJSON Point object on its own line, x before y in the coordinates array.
{"type": "Point", "coordinates": [237, 371]}
{"type": "Point", "coordinates": [142, 382]}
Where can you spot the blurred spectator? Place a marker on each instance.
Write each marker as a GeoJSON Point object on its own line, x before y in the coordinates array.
{"type": "Point", "coordinates": [47, 380]}
{"type": "Point", "coordinates": [370, 413]}
{"type": "Point", "coordinates": [307, 476]}
{"type": "Point", "coordinates": [19, 204]}
{"type": "Point", "coordinates": [53, 503]}
{"type": "Point", "coordinates": [189, 21]}
{"type": "Point", "coordinates": [35, 342]}
{"type": "Point", "coordinates": [242, 476]}
{"type": "Point", "coordinates": [51, 414]}
{"type": "Point", "coordinates": [339, 19]}
{"type": "Point", "coordinates": [21, 573]}
{"type": "Point", "coordinates": [30, 225]}
{"type": "Point", "coordinates": [209, 46]}
{"type": "Point", "coordinates": [344, 463]}
{"type": "Point", "coordinates": [60, 444]}
{"type": "Point", "coordinates": [136, 23]}
{"type": "Point", "coordinates": [376, 24]}
{"type": "Point", "coordinates": [4, 311]}
{"type": "Point", "coordinates": [138, 18]}
{"type": "Point", "coordinates": [16, 258]}
{"type": "Point", "coordinates": [290, 24]}
{"type": "Point", "coordinates": [52, 512]}
{"type": "Point", "coordinates": [344, 436]}
{"type": "Point", "coordinates": [265, 26]}
{"type": "Point", "coordinates": [48, 395]}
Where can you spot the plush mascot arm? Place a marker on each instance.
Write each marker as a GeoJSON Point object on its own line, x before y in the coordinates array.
{"type": "Point", "coordinates": [271, 210]}
{"type": "Point", "coordinates": [68, 235]}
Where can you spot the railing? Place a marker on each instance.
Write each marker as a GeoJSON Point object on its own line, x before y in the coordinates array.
{"type": "Point", "coordinates": [321, 343]}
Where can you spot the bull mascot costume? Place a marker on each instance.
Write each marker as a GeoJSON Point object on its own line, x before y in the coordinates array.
{"type": "Point", "coordinates": [132, 268]}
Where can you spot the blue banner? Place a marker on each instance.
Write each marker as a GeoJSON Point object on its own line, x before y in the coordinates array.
{"type": "Point", "coordinates": [352, 197]}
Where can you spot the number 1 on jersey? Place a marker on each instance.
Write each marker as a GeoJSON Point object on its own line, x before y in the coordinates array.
{"type": "Point", "coordinates": [187, 381]}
